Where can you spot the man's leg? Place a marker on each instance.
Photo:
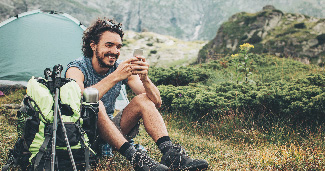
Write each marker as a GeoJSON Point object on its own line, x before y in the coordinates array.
{"type": "Point", "coordinates": [110, 133]}
{"type": "Point", "coordinates": [142, 107]}
{"type": "Point", "coordinates": [107, 130]}
{"type": "Point", "coordinates": [173, 156]}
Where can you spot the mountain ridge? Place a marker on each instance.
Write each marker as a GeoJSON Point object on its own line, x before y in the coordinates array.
{"type": "Point", "coordinates": [270, 31]}
{"type": "Point", "coordinates": [187, 20]}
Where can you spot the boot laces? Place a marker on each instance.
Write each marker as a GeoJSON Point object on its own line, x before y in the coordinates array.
{"type": "Point", "coordinates": [178, 157]}
{"type": "Point", "coordinates": [141, 159]}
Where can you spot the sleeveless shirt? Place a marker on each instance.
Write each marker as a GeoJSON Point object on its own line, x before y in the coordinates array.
{"type": "Point", "coordinates": [91, 77]}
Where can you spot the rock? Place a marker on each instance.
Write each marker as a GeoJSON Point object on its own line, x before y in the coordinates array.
{"type": "Point", "coordinates": [11, 106]}
{"type": "Point", "coordinates": [319, 28]}
{"type": "Point", "coordinates": [312, 42]}
{"type": "Point", "coordinates": [274, 32]}
{"type": "Point", "coordinates": [185, 20]}
{"type": "Point", "coordinates": [268, 7]}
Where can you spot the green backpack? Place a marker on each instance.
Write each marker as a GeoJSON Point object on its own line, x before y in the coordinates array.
{"type": "Point", "coordinates": [77, 124]}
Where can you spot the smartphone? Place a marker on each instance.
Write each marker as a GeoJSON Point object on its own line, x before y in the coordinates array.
{"type": "Point", "coordinates": [138, 52]}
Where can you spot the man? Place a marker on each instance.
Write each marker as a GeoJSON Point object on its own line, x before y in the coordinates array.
{"type": "Point", "coordinates": [98, 68]}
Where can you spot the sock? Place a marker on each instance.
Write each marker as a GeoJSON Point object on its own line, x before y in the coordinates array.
{"type": "Point", "coordinates": [164, 144]}
{"type": "Point", "coordinates": [127, 150]}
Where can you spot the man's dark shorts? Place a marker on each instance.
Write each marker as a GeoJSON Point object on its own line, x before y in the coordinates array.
{"type": "Point", "coordinates": [134, 131]}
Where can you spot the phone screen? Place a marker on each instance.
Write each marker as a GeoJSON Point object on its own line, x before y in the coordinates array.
{"type": "Point", "coordinates": [138, 52]}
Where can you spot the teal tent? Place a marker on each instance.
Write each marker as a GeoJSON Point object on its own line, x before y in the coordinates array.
{"type": "Point", "coordinates": [35, 40]}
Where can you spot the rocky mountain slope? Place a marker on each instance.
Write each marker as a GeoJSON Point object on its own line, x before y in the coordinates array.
{"type": "Point", "coordinates": [270, 31]}
{"type": "Point", "coordinates": [161, 50]}
{"type": "Point", "coordinates": [187, 20]}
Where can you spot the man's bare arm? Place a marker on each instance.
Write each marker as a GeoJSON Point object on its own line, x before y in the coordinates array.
{"type": "Point", "coordinates": [140, 83]}
{"type": "Point", "coordinates": [122, 72]}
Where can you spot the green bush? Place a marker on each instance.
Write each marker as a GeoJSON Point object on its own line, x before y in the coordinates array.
{"type": "Point", "coordinates": [283, 91]}
{"type": "Point", "coordinates": [178, 76]}
{"type": "Point", "coordinates": [196, 102]}
{"type": "Point", "coordinates": [153, 51]}
{"type": "Point", "coordinates": [298, 103]}
{"type": "Point", "coordinates": [300, 26]}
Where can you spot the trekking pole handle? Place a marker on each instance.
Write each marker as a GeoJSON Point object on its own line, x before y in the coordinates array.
{"type": "Point", "coordinates": [57, 69]}
{"type": "Point", "coordinates": [48, 74]}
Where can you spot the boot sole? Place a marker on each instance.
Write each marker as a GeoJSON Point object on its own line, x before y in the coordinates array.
{"type": "Point", "coordinates": [192, 168]}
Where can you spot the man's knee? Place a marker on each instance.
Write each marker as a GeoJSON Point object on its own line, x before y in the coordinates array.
{"type": "Point", "coordinates": [143, 100]}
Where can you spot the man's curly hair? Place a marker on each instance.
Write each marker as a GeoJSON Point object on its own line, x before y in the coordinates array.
{"type": "Point", "coordinates": [95, 31]}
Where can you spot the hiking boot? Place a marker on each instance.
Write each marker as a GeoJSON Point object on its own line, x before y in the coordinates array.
{"type": "Point", "coordinates": [142, 162]}
{"type": "Point", "coordinates": [177, 159]}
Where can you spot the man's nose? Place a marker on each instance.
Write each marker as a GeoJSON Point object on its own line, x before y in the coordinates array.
{"type": "Point", "coordinates": [115, 50]}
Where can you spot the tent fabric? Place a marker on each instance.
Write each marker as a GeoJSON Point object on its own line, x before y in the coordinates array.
{"type": "Point", "coordinates": [35, 40]}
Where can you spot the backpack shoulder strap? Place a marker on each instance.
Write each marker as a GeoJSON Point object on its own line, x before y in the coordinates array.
{"type": "Point", "coordinates": [42, 150]}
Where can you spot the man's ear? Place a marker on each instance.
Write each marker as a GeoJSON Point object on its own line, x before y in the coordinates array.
{"type": "Point", "coordinates": [93, 45]}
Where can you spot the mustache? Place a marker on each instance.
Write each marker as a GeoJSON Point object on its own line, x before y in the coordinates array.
{"type": "Point", "coordinates": [111, 55]}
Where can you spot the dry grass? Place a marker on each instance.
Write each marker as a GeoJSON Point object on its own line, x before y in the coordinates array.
{"type": "Point", "coordinates": [233, 154]}
{"type": "Point", "coordinates": [293, 152]}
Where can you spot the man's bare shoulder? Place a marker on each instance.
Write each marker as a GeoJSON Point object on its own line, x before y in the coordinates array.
{"type": "Point", "coordinates": [76, 74]}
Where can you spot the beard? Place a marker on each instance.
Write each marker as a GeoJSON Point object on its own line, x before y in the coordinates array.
{"type": "Point", "coordinates": [101, 63]}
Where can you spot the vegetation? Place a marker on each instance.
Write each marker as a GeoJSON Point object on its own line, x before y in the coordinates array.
{"type": "Point", "coordinates": [265, 115]}
{"type": "Point", "coordinates": [270, 31]}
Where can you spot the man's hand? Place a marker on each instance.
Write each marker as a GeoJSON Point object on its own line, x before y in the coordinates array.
{"type": "Point", "coordinates": [140, 67]}
{"type": "Point", "coordinates": [142, 84]}
{"type": "Point", "coordinates": [126, 68]}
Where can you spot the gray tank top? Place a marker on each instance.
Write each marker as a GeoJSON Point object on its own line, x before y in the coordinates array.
{"type": "Point", "coordinates": [92, 77]}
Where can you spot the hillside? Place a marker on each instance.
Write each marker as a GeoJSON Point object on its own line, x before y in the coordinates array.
{"type": "Point", "coordinates": [270, 31]}
{"type": "Point", "coordinates": [275, 124]}
{"type": "Point", "coordinates": [161, 50]}
{"type": "Point", "coordinates": [187, 20]}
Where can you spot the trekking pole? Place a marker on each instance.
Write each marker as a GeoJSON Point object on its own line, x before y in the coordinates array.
{"type": "Point", "coordinates": [57, 81]}
{"type": "Point", "coordinates": [67, 142]}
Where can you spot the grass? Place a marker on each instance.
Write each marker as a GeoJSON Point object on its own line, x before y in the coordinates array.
{"type": "Point", "coordinates": [227, 144]}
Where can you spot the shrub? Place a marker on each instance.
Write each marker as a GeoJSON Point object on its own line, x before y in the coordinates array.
{"type": "Point", "coordinates": [194, 101]}
{"type": "Point", "coordinates": [153, 51]}
{"type": "Point", "coordinates": [297, 104]}
{"type": "Point", "coordinates": [300, 26]}
{"type": "Point", "coordinates": [282, 90]}
{"type": "Point", "coordinates": [321, 39]}
{"type": "Point", "coordinates": [178, 76]}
